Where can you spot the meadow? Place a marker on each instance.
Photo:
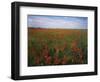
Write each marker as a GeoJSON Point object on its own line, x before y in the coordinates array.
{"type": "Point", "coordinates": [57, 46]}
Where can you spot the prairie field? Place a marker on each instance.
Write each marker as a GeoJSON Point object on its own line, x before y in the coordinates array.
{"type": "Point", "coordinates": [57, 46]}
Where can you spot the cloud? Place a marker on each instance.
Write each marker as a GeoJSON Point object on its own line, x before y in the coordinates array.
{"type": "Point", "coordinates": [36, 21]}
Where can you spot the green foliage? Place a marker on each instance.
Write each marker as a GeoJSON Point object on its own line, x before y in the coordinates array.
{"type": "Point", "coordinates": [60, 54]}
{"type": "Point", "coordinates": [52, 52]}
{"type": "Point", "coordinates": [31, 60]}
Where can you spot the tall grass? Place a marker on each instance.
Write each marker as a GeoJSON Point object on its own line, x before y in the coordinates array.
{"type": "Point", "coordinates": [57, 46]}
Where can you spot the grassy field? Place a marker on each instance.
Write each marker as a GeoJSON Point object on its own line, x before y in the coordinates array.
{"type": "Point", "coordinates": [57, 46]}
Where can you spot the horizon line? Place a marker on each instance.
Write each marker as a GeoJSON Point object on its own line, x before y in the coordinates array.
{"type": "Point", "coordinates": [55, 28]}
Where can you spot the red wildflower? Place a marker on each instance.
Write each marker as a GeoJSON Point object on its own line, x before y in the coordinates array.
{"type": "Point", "coordinates": [56, 60]}
{"type": "Point", "coordinates": [64, 60]}
{"type": "Point", "coordinates": [48, 60]}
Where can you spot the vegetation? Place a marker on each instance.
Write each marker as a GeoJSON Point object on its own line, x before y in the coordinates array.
{"type": "Point", "coordinates": [57, 46]}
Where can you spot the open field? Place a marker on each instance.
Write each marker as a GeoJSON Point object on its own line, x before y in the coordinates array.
{"type": "Point", "coordinates": [57, 46]}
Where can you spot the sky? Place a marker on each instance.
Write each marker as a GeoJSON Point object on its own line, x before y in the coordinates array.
{"type": "Point", "coordinates": [61, 22]}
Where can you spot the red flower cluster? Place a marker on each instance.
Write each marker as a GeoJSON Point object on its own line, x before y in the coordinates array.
{"type": "Point", "coordinates": [77, 52]}
{"type": "Point", "coordinates": [56, 59]}
{"type": "Point", "coordinates": [64, 60]}
{"type": "Point", "coordinates": [46, 55]}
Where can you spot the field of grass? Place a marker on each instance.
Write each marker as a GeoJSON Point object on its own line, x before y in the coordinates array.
{"type": "Point", "coordinates": [57, 46]}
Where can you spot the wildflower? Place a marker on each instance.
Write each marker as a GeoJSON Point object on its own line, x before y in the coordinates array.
{"type": "Point", "coordinates": [48, 60]}
{"type": "Point", "coordinates": [64, 60]}
{"type": "Point", "coordinates": [56, 60]}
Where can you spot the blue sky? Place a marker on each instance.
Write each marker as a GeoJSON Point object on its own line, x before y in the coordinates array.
{"type": "Point", "coordinates": [64, 22]}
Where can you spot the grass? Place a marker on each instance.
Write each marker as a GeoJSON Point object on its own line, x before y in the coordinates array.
{"type": "Point", "coordinates": [57, 46]}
